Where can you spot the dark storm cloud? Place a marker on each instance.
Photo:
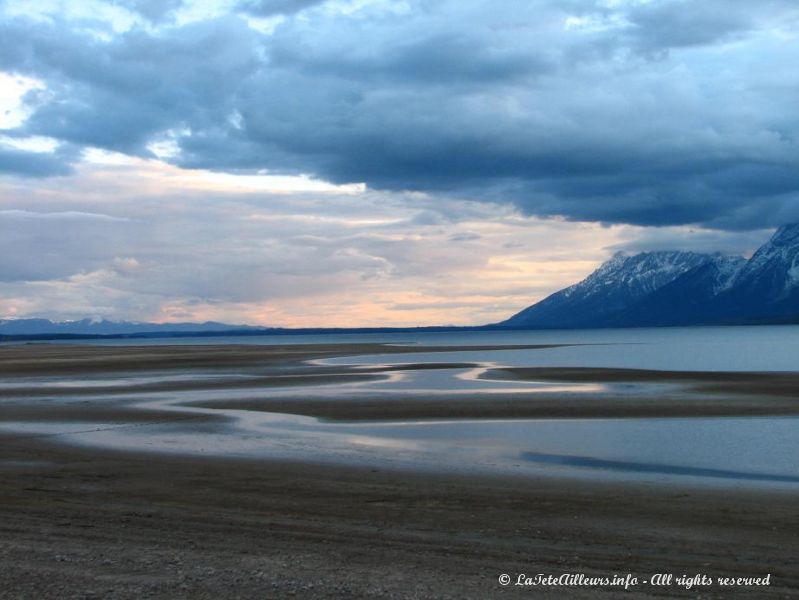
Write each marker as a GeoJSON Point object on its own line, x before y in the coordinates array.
{"type": "Point", "coordinates": [678, 23]}
{"type": "Point", "coordinates": [154, 10]}
{"type": "Point", "coordinates": [696, 240]}
{"type": "Point", "coordinates": [269, 8]}
{"type": "Point", "coordinates": [654, 113]}
{"type": "Point", "coordinates": [120, 94]}
{"type": "Point", "coordinates": [442, 58]}
{"type": "Point", "coordinates": [14, 161]}
{"type": "Point", "coordinates": [685, 23]}
{"type": "Point", "coordinates": [31, 164]}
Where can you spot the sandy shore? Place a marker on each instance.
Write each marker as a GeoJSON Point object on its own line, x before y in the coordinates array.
{"type": "Point", "coordinates": [80, 524]}
{"type": "Point", "coordinates": [83, 523]}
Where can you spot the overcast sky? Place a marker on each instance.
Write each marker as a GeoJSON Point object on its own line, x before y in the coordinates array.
{"type": "Point", "coordinates": [375, 162]}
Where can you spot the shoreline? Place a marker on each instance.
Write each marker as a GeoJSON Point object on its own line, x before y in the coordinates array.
{"type": "Point", "coordinates": [132, 525]}
{"type": "Point", "coordinates": [90, 522]}
{"type": "Point", "coordinates": [113, 399]}
{"type": "Point", "coordinates": [246, 368]}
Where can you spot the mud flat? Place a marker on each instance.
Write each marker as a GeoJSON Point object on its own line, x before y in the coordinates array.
{"type": "Point", "coordinates": [82, 522]}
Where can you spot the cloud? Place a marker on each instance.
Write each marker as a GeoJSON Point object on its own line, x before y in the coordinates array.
{"type": "Point", "coordinates": [104, 242]}
{"type": "Point", "coordinates": [70, 215]}
{"type": "Point", "coordinates": [123, 93]}
{"type": "Point", "coordinates": [35, 164]}
{"type": "Point", "coordinates": [153, 10]}
{"type": "Point", "coordinates": [672, 24]}
{"type": "Point", "coordinates": [647, 113]}
{"type": "Point", "coordinates": [466, 236]}
{"type": "Point", "coordinates": [269, 8]}
{"type": "Point", "coordinates": [734, 243]}
{"type": "Point", "coordinates": [52, 245]}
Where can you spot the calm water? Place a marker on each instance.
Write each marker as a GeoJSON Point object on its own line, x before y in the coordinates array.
{"type": "Point", "coordinates": [767, 348]}
{"type": "Point", "coordinates": [719, 451]}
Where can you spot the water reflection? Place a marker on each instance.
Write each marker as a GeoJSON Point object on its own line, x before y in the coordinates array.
{"type": "Point", "coordinates": [587, 462]}
{"type": "Point", "coordinates": [734, 451]}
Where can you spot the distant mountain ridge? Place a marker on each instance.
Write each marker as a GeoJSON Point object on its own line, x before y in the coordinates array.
{"type": "Point", "coordinates": [678, 288]}
{"type": "Point", "coordinates": [650, 289]}
{"type": "Point", "coordinates": [104, 327]}
{"type": "Point", "coordinates": [45, 329]}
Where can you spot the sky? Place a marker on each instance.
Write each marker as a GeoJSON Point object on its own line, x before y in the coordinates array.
{"type": "Point", "coordinates": [374, 162]}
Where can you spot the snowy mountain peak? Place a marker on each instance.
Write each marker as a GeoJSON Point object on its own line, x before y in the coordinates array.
{"type": "Point", "coordinates": [787, 235]}
{"type": "Point", "coordinates": [774, 268]}
{"type": "Point", "coordinates": [725, 271]}
{"type": "Point", "coordinates": [679, 288]}
{"type": "Point", "coordinates": [615, 285]}
{"type": "Point", "coordinates": [642, 273]}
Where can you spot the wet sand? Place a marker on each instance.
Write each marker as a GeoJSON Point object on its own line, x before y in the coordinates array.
{"type": "Point", "coordinates": [689, 394]}
{"type": "Point", "coordinates": [19, 360]}
{"type": "Point", "coordinates": [778, 383]}
{"type": "Point", "coordinates": [677, 403]}
{"type": "Point", "coordinates": [89, 523]}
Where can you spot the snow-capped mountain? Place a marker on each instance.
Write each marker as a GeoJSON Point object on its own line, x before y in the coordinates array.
{"type": "Point", "coordinates": [687, 299]}
{"type": "Point", "coordinates": [768, 284]}
{"type": "Point", "coordinates": [608, 291]}
{"type": "Point", "coordinates": [679, 288]}
{"type": "Point", "coordinates": [773, 270]}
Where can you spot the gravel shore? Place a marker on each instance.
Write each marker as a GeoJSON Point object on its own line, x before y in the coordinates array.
{"type": "Point", "coordinates": [91, 523]}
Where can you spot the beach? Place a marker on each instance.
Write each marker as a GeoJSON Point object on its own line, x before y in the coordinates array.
{"type": "Point", "coordinates": [83, 521]}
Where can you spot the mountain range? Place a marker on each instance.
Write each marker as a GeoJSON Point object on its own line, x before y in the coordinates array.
{"type": "Point", "coordinates": [650, 289]}
{"type": "Point", "coordinates": [669, 288]}
{"type": "Point", "coordinates": [44, 329]}
{"type": "Point", "coordinates": [92, 327]}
